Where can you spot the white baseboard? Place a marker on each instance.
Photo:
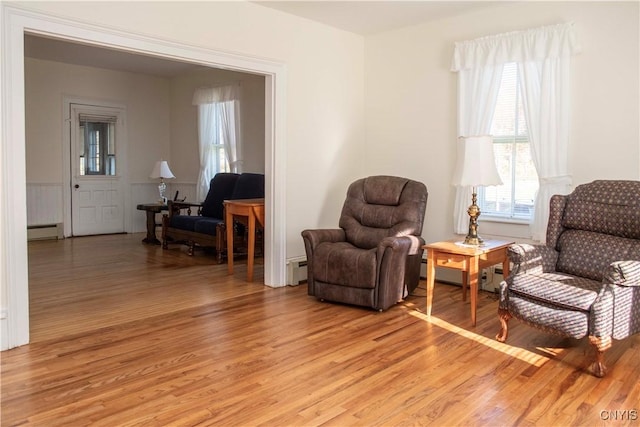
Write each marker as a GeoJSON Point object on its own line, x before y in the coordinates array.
{"type": "Point", "coordinates": [4, 343]}
{"type": "Point", "coordinates": [296, 271]}
{"type": "Point", "coordinates": [45, 232]}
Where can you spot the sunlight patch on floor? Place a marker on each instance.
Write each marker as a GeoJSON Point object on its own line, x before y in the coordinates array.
{"type": "Point", "coordinates": [518, 353]}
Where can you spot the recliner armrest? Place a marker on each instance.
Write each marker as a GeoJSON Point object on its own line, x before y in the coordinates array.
{"type": "Point", "coordinates": [528, 258]}
{"type": "Point", "coordinates": [410, 244]}
{"type": "Point", "coordinates": [315, 237]}
{"type": "Point", "coordinates": [623, 273]}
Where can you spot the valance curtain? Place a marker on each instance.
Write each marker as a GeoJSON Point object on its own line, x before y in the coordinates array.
{"type": "Point", "coordinates": [543, 58]}
{"type": "Point", "coordinates": [218, 124]}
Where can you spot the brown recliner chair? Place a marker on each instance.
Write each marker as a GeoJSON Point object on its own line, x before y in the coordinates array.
{"type": "Point", "coordinates": [373, 259]}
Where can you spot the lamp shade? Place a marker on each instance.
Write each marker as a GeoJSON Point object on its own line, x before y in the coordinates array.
{"type": "Point", "coordinates": [476, 165]}
{"type": "Point", "coordinates": [161, 170]}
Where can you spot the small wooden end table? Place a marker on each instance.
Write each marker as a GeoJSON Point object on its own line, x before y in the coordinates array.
{"type": "Point", "coordinates": [468, 259]}
{"type": "Point", "coordinates": [253, 209]}
{"type": "Point", "coordinates": [152, 209]}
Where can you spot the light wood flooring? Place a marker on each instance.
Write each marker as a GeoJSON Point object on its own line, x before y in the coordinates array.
{"type": "Point", "coordinates": [126, 334]}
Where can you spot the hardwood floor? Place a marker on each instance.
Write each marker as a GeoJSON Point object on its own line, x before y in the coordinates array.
{"type": "Point", "coordinates": [126, 334]}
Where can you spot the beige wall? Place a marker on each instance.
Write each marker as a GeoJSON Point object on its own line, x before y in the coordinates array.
{"type": "Point", "coordinates": [146, 98]}
{"type": "Point", "coordinates": [411, 98]}
{"type": "Point", "coordinates": [409, 107]}
{"type": "Point", "coordinates": [161, 124]}
{"type": "Point", "coordinates": [410, 104]}
{"type": "Point", "coordinates": [185, 157]}
{"type": "Point", "coordinates": [324, 94]}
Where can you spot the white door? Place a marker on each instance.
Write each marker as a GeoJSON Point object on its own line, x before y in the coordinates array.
{"type": "Point", "coordinates": [97, 197]}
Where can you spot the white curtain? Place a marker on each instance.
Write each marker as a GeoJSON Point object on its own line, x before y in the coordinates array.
{"type": "Point", "coordinates": [477, 96]}
{"type": "Point", "coordinates": [545, 90]}
{"type": "Point", "coordinates": [230, 124]}
{"type": "Point", "coordinates": [218, 123]}
{"type": "Point", "coordinates": [543, 57]}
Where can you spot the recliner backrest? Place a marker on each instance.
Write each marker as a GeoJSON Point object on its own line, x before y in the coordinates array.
{"type": "Point", "coordinates": [221, 188]}
{"type": "Point", "coordinates": [600, 224]}
{"type": "Point", "coordinates": [609, 207]}
{"type": "Point", "coordinates": [383, 206]}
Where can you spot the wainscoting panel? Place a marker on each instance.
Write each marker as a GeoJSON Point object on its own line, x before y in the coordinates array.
{"type": "Point", "coordinates": [44, 204]}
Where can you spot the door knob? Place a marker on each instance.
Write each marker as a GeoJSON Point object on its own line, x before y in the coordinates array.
{"type": "Point", "coordinates": [76, 186]}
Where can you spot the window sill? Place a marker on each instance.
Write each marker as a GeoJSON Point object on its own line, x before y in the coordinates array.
{"type": "Point", "coordinates": [504, 228]}
{"type": "Point", "coordinates": [487, 218]}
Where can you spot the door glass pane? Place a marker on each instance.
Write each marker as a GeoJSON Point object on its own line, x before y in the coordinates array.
{"type": "Point", "coordinates": [97, 147]}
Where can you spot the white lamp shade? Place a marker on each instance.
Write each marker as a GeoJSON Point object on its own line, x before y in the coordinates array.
{"type": "Point", "coordinates": [476, 165]}
{"type": "Point", "coordinates": [161, 170]}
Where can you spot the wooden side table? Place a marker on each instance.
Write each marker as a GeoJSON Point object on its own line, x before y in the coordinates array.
{"type": "Point", "coordinates": [253, 209]}
{"type": "Point", "coordinates": [468, 259]}
{"type": "Point", "coordinates": [152, 209]}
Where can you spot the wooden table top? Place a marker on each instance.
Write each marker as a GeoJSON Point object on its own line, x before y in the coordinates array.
{"type": "Point", "coordinates": [246, 202]}
{"type": "Point", "coordinates": [458, 247]}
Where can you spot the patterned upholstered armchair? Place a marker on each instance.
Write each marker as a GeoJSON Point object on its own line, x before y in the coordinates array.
{"type": "Point", "coordinates": [373, 259]}
{"type": "Point", "coordinates": [586, 279]}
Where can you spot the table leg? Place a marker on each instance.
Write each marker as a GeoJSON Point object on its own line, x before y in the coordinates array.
{"type": "Point", "coordinates": [252, 245]}
{"type": "Point", "coordinates": [151, 229]}
{"type": "Point", "coordinates": [431, 278]}
{"type": "Point", "coordinates": [465, 285]}
{"type": "Point", "coordinates": [473, 278]}
{"type": "Point", "coordinates": [229, 226]}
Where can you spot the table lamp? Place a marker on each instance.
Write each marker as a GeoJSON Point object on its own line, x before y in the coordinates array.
{"type": "Point", "coordinates": [161, 170]}
{"type": "Point", "coordinates": [476, 167]}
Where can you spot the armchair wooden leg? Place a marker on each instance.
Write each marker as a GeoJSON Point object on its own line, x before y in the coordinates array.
{"type": "Point", "coordinates": [600, 344]}
{"type": "Point", "coordinates": [221, 242]}
{"type": "Point", "coordinates": [504, 316]}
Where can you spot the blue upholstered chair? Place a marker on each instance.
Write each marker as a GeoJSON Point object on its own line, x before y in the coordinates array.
{"type": "Point", "coordinates": [207, 228]}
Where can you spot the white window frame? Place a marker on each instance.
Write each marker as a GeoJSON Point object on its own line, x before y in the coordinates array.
{"type": "Point", "coordinates": [512, 216]}
{"type": "Point", "coordinates": [483, 192]}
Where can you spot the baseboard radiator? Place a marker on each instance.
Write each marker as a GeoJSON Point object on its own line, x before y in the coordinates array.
{"type": "Point", "coordinates": [44, 232]}
{"type": "Point", "coordinates": [490, 279]}
{"type": "Point", "coordinates": [296, 271]}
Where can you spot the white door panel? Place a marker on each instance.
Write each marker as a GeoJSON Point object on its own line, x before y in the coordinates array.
{"type": "Point", "coordinates": [98, 210]}
{"type": "Point", "coordinates": [97, 197]}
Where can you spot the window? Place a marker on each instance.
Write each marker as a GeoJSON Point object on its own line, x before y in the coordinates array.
{"type": "Point", "coordinates": [515, 198]}
{"type": "Point", "coordinates": [219, 160]}
{"type": "Point", "coordinates": [97, 146]}
{"type": "Point", "coordinates": [218, 133]}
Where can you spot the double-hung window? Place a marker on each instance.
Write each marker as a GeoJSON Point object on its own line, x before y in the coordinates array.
{"type": "Point", "coordinates": [218, 133]}
{"type": "Point", "coordinates": [514, 200]}
{"type": "Point", "coordinates": [219, 160]}
{"type": "Point", "coordinates": [527, 73]}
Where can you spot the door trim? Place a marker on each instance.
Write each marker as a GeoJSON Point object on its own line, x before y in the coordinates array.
{"type": "Point", "coordinates": [14, 279]}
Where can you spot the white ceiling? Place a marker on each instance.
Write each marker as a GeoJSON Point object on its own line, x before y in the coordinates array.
{"type": "Point", "coordinates": [358, 16]}
{"type": "Point", "coordinates": [99, 57]}
{"type": "Point", "coordinates": [370, 17]}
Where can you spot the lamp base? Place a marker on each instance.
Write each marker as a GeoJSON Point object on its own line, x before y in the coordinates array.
{"type": "Point", "coordinates": [472, 238]}
{"type": "Point", "coordinates": [162, 189]}
{"type": "Point", "coordinates": [473, 241]}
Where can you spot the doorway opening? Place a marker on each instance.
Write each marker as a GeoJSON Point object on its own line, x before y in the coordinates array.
{"type": "Point", "coordinates": [15, 284]}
